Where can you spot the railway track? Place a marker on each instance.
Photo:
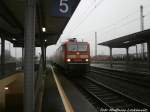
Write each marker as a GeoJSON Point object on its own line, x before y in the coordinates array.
{"type": "Point", "coordinates": [104, 97]}
{"type": "Point", "coordinates": [138, 79]}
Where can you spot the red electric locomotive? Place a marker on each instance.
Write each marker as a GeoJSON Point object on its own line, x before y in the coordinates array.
{"type": "Point", "coordinates": [73, 56]}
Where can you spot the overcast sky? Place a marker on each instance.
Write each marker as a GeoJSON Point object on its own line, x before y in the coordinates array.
{"type": "Point", "coordinates": [109, 18]}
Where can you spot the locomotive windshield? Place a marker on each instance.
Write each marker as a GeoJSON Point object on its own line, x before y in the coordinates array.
{"type": "Point", "coordinates": [82, 47]}
{"type": "Point", "coordinates": [72, 47]}
{"type": "Point", "coordinates": [77, 47]}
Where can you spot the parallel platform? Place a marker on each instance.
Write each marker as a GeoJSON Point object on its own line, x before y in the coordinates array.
{"type": "Point", "coordinates": [54, 101]}
{"type": "Point", "coordinates": [122, 68]}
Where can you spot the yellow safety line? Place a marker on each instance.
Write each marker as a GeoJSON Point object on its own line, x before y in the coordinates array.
{"type": "Point", "coordinates": [67, 104]}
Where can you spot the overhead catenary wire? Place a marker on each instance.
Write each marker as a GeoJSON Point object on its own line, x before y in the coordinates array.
{"type": "Point", "coordinates": [133, 20]}
{"type": "Point", "coordinates": [122, 19]}
{"type": "Point", "coordinates": [113, 24]}
{"type": "Point", "coordinates": [116, 27]}
{"type": "Point", "coordinates": [92, 9]}
{"type": "Point", "coordinates": [126, 17]}
{"type": "Point", "coordinates": [125, 24]}
{"type": "Point", "coordinates": [109, 32]}
{"type": "Point", "coordinates": [119, 21]}
{"type": "Point", "coordinates": [83, 11]}
{"type": "Point", "coordinates": [116, 23]}
{"type": "Point", "coordinates": [87, 15]}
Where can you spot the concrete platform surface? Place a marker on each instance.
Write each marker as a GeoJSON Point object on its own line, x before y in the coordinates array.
{"type": "Point", "coordinates": [11, 93]}
{"type": "Point", "coordinates": [77, 100]}
{"type": "Point", "coordinates": [51, 99]}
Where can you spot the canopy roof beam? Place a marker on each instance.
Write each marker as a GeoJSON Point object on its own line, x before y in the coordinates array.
{"type": "Point", "coordinates": [10, 18]}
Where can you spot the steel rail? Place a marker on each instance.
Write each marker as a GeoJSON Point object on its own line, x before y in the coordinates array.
{"type": "Point", "coordinates": [117, 92]}
{"type": "Point", "coordinates": [121, 77]}
{"type": "Point", "coordinates": [93, 97]}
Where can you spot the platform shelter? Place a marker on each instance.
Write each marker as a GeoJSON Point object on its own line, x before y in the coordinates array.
{"type": "Point", "coordinates": [128, 41]}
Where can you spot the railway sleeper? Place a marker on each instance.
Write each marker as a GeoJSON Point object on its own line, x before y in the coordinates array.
{"type": "Point", "coordinates": [111, 98]}
{"type": "Point", "coordinates": [142, 82]}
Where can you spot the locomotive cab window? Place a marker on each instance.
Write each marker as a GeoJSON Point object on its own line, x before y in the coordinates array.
{"type": "Point", "coordinates": [82, 47]}
{"type": "Point", "coordinates": [77, 47]}
{"type": "Point", "coordinates": [72, 47]}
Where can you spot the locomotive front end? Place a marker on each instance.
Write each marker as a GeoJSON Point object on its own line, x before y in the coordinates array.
{"type": "Point", "coordinates": [77, 57]}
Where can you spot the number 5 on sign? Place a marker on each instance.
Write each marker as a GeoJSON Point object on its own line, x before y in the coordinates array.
{"type": "Point", "coordinates": [64, 8]}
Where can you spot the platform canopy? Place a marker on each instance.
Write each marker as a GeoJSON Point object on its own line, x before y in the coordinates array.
{"type": "Point", "coordinates": [128, 40]}
{"type": "Point", "coordinates": [51, 14]}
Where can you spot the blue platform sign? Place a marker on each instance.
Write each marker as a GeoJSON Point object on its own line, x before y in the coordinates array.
{"type": "Point", "coordinates": [63, 7]}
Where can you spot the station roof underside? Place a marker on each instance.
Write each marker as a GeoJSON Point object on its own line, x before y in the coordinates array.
{"type": "Point", "coordinates": [128, 40]}
{"type": "Point", "coordinates": [12, 21]}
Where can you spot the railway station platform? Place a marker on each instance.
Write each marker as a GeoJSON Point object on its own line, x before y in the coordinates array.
{"type": "Point", "coordinates": [61, 95]}
{"type": "Point", "coordinates": [122, 67]}
{"type": "Point", "coordinates": [54, 99]}
{"type": "Point", "coordinates": [11, 93]}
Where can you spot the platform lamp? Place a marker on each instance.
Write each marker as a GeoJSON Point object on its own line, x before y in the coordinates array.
{"type": "Point", "coordinates": [43, 29]}
{"type": "Point", "coordinates": [44, 48]}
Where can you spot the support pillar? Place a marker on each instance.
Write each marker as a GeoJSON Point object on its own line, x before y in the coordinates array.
{"type": "Point", "coordinates": [43, 48]}
{"type": "Point", "coordinates": [22, 57]}
{"type": "Point", "coordinates": [42, 51]}
{"type": "Point", "coordinates": [142, 29]}
{"type": "Point", "coordinates": [3, 55]}
{"type": "Point", "coordinates": [29, 45]}
{"type": "Point", "coordinates": [136, 51]}
{"type": "Point", "coordinates": [45, 57]}
{"type": "Point", "coordinates": [127, 53]}
{"type": "Point", "coordinates": [111, 57]}
{"type": "Point", "coordinates": [95, 43]}
{"type": "Point", "coordinates": [127, 56]}
{"type": "Point", "coordinates": [148, 54]}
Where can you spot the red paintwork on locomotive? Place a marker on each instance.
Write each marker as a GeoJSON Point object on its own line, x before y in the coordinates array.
{"type": "Point", "coordinates": [78, 59]}
{"type": "Point", "coordinates": [61, 56]}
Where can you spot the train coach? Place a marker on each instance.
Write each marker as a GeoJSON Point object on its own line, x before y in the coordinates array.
{"type": "Point", "coordinates": [73, 56]}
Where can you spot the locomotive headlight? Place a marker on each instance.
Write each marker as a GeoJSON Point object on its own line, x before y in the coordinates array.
{"type": "Point", "coordinates": [78, 53]}
{"type": "Point", "coordinates": [86, 60]}
{"type": "Point", "coordinates": [68, 60]}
